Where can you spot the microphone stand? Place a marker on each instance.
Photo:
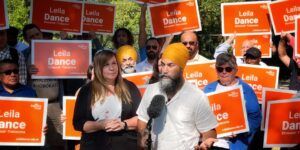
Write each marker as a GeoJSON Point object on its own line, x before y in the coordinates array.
{"type": "Point", "coordinates": [149, 140]}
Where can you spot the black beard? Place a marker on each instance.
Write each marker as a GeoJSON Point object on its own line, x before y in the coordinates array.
{"type": "Point", "coordinates": [151, 55]}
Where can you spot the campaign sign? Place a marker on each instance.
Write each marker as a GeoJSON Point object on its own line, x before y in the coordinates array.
{"type": "Point", "coordinates": [245, 18]}
{"type": "Point", "coordinates": [99, 18]}
{"type": "Point", "coordinates": [57, 15]}
{"type": "Point", "coordinates": [230, 121]}
{"type": "Point", "coordinates": [69, 133]}
{"type": "Point", "coordinates": [282, 14]}
{"type": "Point", "coordinates": [200, 74]}
{"type": "Point", "coordinates": [140, 79]}
{"type": "Point", "coordinates": [262, 42]}
{"type": "Point", "coordinates": [61, 59]}
{"type": "Point", "coordinates": [258, 77]}
{"type": "Point", "coordinates": [271, 94]}
{"type": "Point", "coordinates": [282, 123]}
{"type": "Point", "coordinates": [3, 15]}
{"type": "Point", "coordinates": [174, 17]}
{"type": "Point", "coordinates": [297, 34]}
{"type": "Point", "coordinates": [22, 121]}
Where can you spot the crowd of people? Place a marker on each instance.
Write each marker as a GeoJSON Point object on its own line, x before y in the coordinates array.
{"type": "Point", "coordinates": [110, 111]}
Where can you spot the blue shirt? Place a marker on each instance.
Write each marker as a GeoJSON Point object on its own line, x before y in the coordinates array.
{"type": "Point", "coordinates": [21, 91]}
{"type": "Point", "coordinates": [243, 140]}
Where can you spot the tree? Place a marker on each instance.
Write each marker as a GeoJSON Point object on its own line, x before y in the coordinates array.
{"type": "Point", "coordinates": [17, 13]}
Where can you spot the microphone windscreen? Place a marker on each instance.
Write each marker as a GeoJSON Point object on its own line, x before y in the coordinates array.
{"type": "Point", "coordinates": [156, 106]}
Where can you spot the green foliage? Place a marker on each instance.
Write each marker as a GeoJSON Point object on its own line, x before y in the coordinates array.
{"type": "Point", "coordinates": [17, 13]}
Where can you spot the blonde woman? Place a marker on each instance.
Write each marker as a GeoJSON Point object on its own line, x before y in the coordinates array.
{"type": "Point", "coordinates": [105, 110]}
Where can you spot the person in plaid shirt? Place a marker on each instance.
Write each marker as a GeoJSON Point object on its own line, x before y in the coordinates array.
{"type": "Point", "coordinates": [7, 53]}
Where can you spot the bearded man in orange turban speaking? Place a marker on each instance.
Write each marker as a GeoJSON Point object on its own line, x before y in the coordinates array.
{"type": "Point", "coordinates": [184, 112]}
{"type": "Point", "coordinates": [127, 57]}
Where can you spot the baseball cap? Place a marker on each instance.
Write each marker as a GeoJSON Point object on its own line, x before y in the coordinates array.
{"type": "Point", "coordinates": [253, 52]}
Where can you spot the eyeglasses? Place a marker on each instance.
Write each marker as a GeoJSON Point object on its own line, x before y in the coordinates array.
{"type": "Point", "coordinates": [190, 43]}
{"type": "Point", "coordinates": [151, 46]}
{"type": "Point", "coordinates": [8, 72]}
{"type": "Point", "coordinates": [221, 69]}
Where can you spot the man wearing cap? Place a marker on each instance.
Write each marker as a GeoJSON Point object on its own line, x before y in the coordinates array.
{"type": "Point", "coordinates": [247, 44]}
{"type": "Point", "coordinates": [186, 114]}
{"type": "Point", "coordinates": [253, 56]}
{"type": "Point", "coordinates": [127, 57]}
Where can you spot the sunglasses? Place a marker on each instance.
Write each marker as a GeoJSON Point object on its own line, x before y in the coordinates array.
{"type": "Point", "coordinates": [221, 69]}
{"type": "Point", "coordinates": [8, 72]}
{"type": "Point", "coordinates": [190, 43]}
{"type": "Point", "coordinates": [148, 47]}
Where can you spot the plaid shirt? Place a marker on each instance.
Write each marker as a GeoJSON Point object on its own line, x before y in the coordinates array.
{"type": "Point", "coordinates": [5, 54]}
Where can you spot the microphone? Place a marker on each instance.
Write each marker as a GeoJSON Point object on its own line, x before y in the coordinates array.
{"type": "Point", "coordinates": [154, 110]}
{"type": "Point", "coordinates": [156, 106]}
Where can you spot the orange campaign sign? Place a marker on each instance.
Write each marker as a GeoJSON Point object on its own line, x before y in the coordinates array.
{"type": "Point", "coordinates": [282, 14]}
{"type": "Point", "coordinates": [69, 133]}
{"type": "Point", "coordinates": [174, 17]}
{"type": "Point", "coordinates": [150, 1]}
{"type": "Point", "coordinates": [245, 18]}
{"type": "Point", "coordinates": [57, 15]}
{"type": "Point", "coordinates": [270, 94]}
{"type": "Point", "coordinates": [262, 42]}
{"type": "Point", "coordinates": [256, 75]}
{"type": "Point", "coordinates": [140, 79]}
{"type": "Point", "coordinates": [230, 111]}
{"type": "Point", "coordinates": [99, 18]}
{"type": "Point", "coordinates": [200, 74]}
{"type": "Point", "coordinates": [297, 34]}
{"type": "Point", "coordinates": [61, 59]}
{"type": "Point", "coordinates": [282, 123]}
{"type": "Point", "coordinates": [3, 15]}
{"type": "Point", "coordinates": [22, 121]}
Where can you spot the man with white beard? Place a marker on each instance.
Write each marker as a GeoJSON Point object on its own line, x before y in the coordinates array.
{"type": "Point", "coordinates": [127, 57]}
{"type": "Point", "coordinates": [186, 119]}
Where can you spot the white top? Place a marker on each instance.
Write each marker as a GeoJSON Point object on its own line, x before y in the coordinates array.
{"type": "Point", "coordinates": [186, 115]}
{"type": "Point", "coordinates": [199, 59]}
{"type": "Point", "coordinates": [110, 108]}
{"type": "Point", "coordinates": [144, 66]}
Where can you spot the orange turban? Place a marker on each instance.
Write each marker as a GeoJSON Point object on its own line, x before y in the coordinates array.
{"type": "Point", "coordinates": [177, 53]}
{"type": "Point", "coordinates": [126, 51]}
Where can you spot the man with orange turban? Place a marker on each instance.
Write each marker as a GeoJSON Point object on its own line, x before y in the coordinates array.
{"type": "Point", "coordinates": [127, 57]}
{"type": "Point", "coordinates": [185, 113]}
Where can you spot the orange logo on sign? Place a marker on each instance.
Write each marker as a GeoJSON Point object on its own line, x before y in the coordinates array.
{"type": "Point", "coordinates": [139, 79]}
{"type": "Point", "coordinates": [22, 121]}
{"type": "Point", "coordinates": [174, 17]}
{"type": "Point", "coordinates": [99, 18]}
{"type": "Point", "coordinates": [61, 59]}
{"type": "Point", "coordinates": [282, 123]}
{"type": "Point", "coordinates": [230, 121]}
{"type": "Point", "coordinates": [256, 76]}
{"type": "Point", "coordinates": [245, 18]}
{"type": "Point", "coordinates": [262, 42]}
{"type": "Point", "coordinates": [52, 15]}
{"type": "Point", "coordinates": [282, 14]}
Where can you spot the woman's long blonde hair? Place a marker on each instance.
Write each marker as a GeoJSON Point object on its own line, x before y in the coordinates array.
{"type": "Point", "coordinates": [99, 85]}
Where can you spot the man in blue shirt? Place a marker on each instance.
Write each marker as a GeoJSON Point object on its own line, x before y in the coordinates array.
{"type": "Point", "coordinates": [10, 85]}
